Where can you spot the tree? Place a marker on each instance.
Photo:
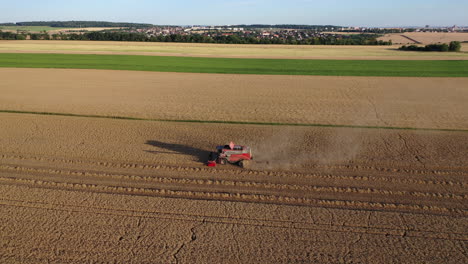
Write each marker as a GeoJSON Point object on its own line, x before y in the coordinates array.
{"type": "Point", "coordinates": [455, 46]}
{"type": "Point", "coordinates": [444, 48]}
{"type": "Point", "coordinates": [430, 47]}
{"type": "Point", "coordinates": [35, 36]}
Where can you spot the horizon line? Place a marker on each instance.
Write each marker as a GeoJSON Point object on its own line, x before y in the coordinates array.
{"type": "Point", "coordinates": [244, 24]}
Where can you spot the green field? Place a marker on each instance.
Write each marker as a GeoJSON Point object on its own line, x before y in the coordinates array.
{"type": "Point", "coordinates": [403, 68]}
{"type": "Point", "coordinates": [30, 28]}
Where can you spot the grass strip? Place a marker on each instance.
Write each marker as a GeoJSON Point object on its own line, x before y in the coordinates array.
{"type": "Point", "coordinates": [233, 122]}
{"type": "Point", "coordinates": [395, 68]}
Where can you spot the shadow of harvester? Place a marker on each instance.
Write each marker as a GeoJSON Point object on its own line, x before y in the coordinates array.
{"type": "Point", "coordinates": [200, 154]}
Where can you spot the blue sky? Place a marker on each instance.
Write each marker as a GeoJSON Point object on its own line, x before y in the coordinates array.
{"type": "Point", "coordinates": [224, 12]}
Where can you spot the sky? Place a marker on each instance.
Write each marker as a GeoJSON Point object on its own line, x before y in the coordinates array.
{"type": "Point", "coordinates": [374, 13]}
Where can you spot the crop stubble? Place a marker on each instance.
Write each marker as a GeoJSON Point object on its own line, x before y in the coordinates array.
{"type": "Point", "coordinates": [164, 230]}
{"type": "Point", "coordinates": [225, 50]}
{"type": "Point", "coordinates": [425, 37]}
{"type": "Point", "coordinates": [398, 102]}
{"type": "Point", "coordinates": [84, 189]}
{"type": "Point", "coordinates": [110, 187]}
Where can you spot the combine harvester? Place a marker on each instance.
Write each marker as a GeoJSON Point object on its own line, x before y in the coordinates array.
{"type": "Point", "coordinates": [233, 154]}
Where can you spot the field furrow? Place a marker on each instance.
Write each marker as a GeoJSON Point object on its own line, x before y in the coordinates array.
{"type": "Point", "coordinates": [131, 221]}
{"type": "Point", "coordinates": [248, 190]}
{"type": "Point", "coordinates": [248, 221]}
{"type": "Point", "coordinates": [170, 170]}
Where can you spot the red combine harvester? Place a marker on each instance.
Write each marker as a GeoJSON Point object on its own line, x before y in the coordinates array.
{"type": "Point", "coordinates": [242, 155]}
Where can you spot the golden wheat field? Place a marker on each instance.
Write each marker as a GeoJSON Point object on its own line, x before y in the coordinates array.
{"type": "Point", "coordinates": [225, 50]}
{"type": "Point", "coordinates": [370, 169]}
{"type": "Point", "coordinates": [365, 101]}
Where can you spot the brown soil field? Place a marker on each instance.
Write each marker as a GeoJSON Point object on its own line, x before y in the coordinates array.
{"type": "Point", "coordinates": [79, 190]}
{"type": "Point", "coordinates": [426, 37]}
{"type": "Point", "coordinates": [362, 101]}
{"type": "Point", "coordinates": [225, 50]}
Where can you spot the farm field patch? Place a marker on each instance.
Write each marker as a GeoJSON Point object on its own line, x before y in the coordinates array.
{"type": "Point", "coordinates": [425, 37]}
{"type": "Point", "coordinates": [354, 101]}
{"type": "Point", "coordinates": [377, 173]}
{"type": "Point", "coordinates": [50, 29]}
{"type": "Point", "coordinates": [103, 226]}
{"type": "Point", "coordinates": [95, 187]}
{"type": "Point", "coordinates": [225, 50]}
{"type": "Point", "coordinates": [406, 68]}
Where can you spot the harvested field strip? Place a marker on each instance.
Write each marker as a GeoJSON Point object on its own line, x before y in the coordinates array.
{"type": "Point", "coordinates": [234, 183]}
{"type": "Point", "coordinates": [325, 52]}
{"type": "Point", "coordinates": [267, 174]}
{"type": "Point", "coordinates": [239, 66]}
{"type": "Point", "coordinates": [232, 122]}
{"type": "Point", "coordinates": [237, 196]}
{"type": "Point", "coordinates": [239, 220]}
{"type": "Point", "coordinates": [369, 101]}
{"type": "Point", "coordinates": [411, 39]}
{"type": "Point", "coordinates": [387, 189]}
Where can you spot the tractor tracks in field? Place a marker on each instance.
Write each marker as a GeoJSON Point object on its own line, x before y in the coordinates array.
{"type": "Point", "coordinates": [230, 183]}
{"type": "Point", "coordinates": [188, 184]}
{"type": "Point", "coordinates": [376, 229]}
{"type": "Point", "coordinates": [236, 196]}
{"type": "Point", "coordinates": [265, 173]}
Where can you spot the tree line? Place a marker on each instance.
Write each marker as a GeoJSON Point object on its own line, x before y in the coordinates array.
{"type": "Point", "coordinates": [199, 38]}
{"type": "Point", "coordinates": [234, 39]}
{"type": "Point", "coordinates": [454, 46]}
{"type": "Point", "coordinates": [11, 36]}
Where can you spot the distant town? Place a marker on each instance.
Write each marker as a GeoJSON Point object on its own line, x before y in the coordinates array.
{"type": "Point", "coordinates": [231, 34]}
{"type": "Point", "coordinates": [279, 31]}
